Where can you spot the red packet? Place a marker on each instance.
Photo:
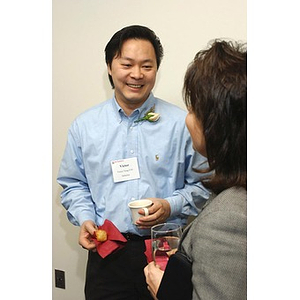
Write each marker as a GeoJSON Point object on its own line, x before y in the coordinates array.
{"type": "Point", "coordinates": [148, 252]}
{"type": "Point", "coordinates": [115, 239]}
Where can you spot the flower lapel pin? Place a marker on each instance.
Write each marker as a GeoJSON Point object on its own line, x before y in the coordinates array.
{"type": "Point", "coordinates": [150, 116]}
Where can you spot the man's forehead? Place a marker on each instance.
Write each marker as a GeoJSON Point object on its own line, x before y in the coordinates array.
{"type": "Point", "coordinates": [125, 53]}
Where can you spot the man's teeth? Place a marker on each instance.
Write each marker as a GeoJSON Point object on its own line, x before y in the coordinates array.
{"type": "Point", "coordinates": [135, 85]}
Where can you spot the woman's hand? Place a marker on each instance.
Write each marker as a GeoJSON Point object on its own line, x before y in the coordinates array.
{"type": "Point", "coordinates": [153, 278]}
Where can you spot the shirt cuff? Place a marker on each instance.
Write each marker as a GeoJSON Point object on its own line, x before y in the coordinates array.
{"type": "Point", "coordinates": [176, 204]}
{"type": "Point", "coordinates": [81, 218]}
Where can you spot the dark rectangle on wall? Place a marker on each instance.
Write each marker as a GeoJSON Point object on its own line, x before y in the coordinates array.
{"type": "Point", "coordinates": [60, 279]}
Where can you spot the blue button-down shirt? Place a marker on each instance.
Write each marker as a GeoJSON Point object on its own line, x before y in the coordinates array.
{"type": "Point", "coordinates": [165, 158]}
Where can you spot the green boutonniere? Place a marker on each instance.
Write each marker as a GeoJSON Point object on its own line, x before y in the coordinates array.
{"type": "Point", "coordinates": [150, 115]}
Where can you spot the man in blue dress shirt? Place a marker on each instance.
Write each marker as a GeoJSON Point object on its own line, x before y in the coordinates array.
{"type": "Point", "coordinates": [145, 136]}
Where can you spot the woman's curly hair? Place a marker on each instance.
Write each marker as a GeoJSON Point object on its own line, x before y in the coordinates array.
{"type": "Point", "coordinates": [215, 89]}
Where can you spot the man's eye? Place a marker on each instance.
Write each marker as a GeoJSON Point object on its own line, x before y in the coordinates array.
{"type": "Point", "coordinates": [147, 67]}
{"type": "Point", "coordinates": [126, 65]}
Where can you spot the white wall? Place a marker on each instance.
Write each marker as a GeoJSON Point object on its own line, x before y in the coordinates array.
{"type": "Point", "coordinates": [81, 29]}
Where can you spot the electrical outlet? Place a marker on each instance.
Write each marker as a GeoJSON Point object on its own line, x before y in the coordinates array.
{"type": "Point", "coordinates": [60, 279]}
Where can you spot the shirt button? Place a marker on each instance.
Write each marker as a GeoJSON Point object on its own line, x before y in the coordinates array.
{"type": "Point", "coordinates": [132, 199]}
{"type": "Point", "coordinates": [131, 151]}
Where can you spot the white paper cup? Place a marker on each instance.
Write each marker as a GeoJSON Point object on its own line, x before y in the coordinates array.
{"type": "Point", "coordinates": [136, 205]}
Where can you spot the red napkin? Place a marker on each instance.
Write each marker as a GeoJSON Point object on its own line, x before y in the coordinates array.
{"type": "Point", "coordinates": [148, 252]}
{"type": "Point", "coordinates": [115, 239]}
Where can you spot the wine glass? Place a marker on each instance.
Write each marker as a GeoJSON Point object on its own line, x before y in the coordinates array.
{"type": "Point", "coordinates": [165, 239]}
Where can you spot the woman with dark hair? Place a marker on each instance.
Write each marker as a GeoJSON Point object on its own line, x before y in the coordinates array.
{"type": "Point", "coordinates": [215, 93]}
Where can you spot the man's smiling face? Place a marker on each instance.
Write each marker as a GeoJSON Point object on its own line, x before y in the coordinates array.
{"type": "Point", "coordinates": [134, 73]}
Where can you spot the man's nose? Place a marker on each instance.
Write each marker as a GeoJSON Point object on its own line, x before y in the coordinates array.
{"type": "Point", "coordinates": [137, 73]}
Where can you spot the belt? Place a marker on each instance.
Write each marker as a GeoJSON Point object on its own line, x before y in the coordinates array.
{"type": "Point", "coordinates": [134, 237]}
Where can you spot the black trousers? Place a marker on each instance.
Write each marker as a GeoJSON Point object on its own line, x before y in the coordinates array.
{"type": "Point", "coordinates": [120, 276]}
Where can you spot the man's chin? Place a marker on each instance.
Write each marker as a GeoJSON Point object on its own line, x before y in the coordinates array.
{"type": "Point", "coordinates": [136, 97]}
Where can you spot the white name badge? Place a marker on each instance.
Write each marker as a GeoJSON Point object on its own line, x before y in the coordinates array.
{"type": "Point", "coordinates": [125, 169]}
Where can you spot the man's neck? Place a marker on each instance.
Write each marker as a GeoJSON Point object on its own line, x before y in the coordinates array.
{"type": "Point", "coordinates": [129, 107]}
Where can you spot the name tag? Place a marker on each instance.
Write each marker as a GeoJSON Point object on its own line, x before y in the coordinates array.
{"type": "Point", "coordinates": [125, 169]}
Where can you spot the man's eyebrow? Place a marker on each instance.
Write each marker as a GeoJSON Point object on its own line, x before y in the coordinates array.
{"type": "Point", "coordinates": [131, 59]}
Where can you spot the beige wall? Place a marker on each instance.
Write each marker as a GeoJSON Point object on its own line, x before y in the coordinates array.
{"type": "Point", "coordinates": [81, 30]}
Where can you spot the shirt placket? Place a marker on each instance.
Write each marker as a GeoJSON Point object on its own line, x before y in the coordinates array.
{"type": "Point", "coordinates": [132, 151]}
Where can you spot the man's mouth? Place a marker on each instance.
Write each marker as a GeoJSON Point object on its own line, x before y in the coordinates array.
{"type": "Point", "coordinates": [135, 86]}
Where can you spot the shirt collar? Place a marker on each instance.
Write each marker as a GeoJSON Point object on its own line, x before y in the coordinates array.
{"type": "Point", "coordinates": [142, 110]}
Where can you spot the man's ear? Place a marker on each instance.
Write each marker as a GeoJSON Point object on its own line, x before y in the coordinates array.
{"type": "Point", "coordinates": [109, 70]}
